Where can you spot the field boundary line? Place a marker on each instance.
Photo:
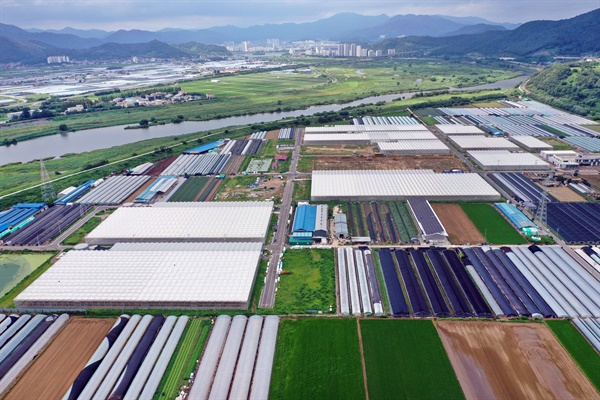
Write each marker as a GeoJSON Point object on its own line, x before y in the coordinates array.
{"type": "Point", "coordinates": [362, 359]}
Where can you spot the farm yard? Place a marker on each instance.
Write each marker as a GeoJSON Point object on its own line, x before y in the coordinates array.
{"type": "Point", "coordinates": [436, 163]}
{"type": "Point", "coordinates": [406, 360]}
{"type": "Point", "coordinates": [459, 227]}
{"type": "Point", "coordinates": [338, 150]}
{"type": "Point", "coordinates": [383, 222]}
{"type": "Point", "coordinates": [317, 358]}
{"type": "Point", "coordinates": [52, 373]}
{"type": "Point", "coordinates": [243, 188]}
{"type": "Point", "coordinates": [491, 224]}
{"type": "Point", "coordinates": [563, 193]}
{"type": "Point", "coordinates": [490, 358]}
{"type": "Point", "coordinates": [308, 282]}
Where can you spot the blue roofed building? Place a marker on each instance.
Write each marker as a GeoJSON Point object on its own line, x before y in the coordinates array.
{"type": "Point", "coordinates": [205, 148]}
{"type": "Point", "coordinates": [310, 219]}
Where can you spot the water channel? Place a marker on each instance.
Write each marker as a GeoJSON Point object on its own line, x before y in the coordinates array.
{"type": "Point", "coordinates": [102, 138]}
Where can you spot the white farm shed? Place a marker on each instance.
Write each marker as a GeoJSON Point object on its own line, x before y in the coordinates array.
{"type": "Point", "coordinates": [212, 276]}
{"type": "Point", "coordinates": [399, 185]}
{"type": "Point", "coordinates": [502, 160]}
{"type": "Point", "coordinates": [530, 143]}
{"type": "Point", "coordinates": [186, 222]}
{"type": "Point", "coordinates": [457, 129]}
{"type": "Point", "coordinates": [413, 147]}
{"type": "Point", "coordinates": [482, 143]}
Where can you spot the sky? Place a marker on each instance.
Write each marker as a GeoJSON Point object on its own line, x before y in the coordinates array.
{"type": "Point", "coordinates": [198, 14]}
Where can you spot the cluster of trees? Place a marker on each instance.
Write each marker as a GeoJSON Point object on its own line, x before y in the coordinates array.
{"type": "Point", "coordinates": [573, 87]}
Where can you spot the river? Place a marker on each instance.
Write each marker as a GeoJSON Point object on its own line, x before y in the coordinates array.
{"type": "Point", "coordinates": [102, 138]}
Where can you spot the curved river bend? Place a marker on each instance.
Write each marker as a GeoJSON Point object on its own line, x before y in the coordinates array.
{"type": "Point", "coordinates": [102, 138]}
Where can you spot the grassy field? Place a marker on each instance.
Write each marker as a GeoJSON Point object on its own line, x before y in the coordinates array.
{"type": "Point", "coordinates": [190, 189]}
{"type": "Point", "coordinates": [38, 263]}
{"type": "Point", "coordinates": [556, 144]}
{"type": "Point", "coordinates": [406, 360]}
{"type": "Point", "coordinates": [310, 284]}
{"type": "Point", "coordinates": [301, 190]}
{"type": "Point", "coordinates": [492, 225]}
{"type": "Point", "coordinates": [77, 236]}
{"type": "Point", "coordinates": [183, 362]}
{"type": "Point", "coordinates": [582, 352]}
{"type": "Point", "coordinates": [317, 358]}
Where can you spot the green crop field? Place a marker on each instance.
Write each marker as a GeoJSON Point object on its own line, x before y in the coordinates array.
{"type": "Point", "coordinates": [310, 285]}
{"type": "Point", "coordinates": [77, 236]}
{"type": "Point", "coordinates": [190, 189]}
{"type": "Point", "coordinates": [184, 358]}
{"type": "Point", "coordinates": [580, 349]}
{"type": "Point", "coordinates": [492, 225]}
{"type": "Point", "coordinates": [302, 190]}
{"type": "Point", "coordinates": [405, 359]}
{"type": "Point", "coordinates": [317, 358]}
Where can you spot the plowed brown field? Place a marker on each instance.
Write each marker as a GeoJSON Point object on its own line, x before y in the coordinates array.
{"type": "Point", "coordinates": [512, 361]}
{"type": "Point", "coordinates": [57, 367]}
{"type": "Point", "coordinates": [460, 228]}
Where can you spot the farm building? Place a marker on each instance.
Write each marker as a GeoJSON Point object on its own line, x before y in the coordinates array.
{"type": "Point", "coordinates": [114, 190]}
{"type": "Point", "coordinates": [413, 147]}
{"type": "Point", "coordinates": [18, 216]}
{"type": "Point", "coordinates": [197, 164]}
{"type": "Point", "coordinates": [75, 193]}
{"type": "Point", "coordinates": [364, 137]}
{"type": "Point", "coordinates": [399, 185]}
{"type": "Point", "coordinates": [310, 219]}
{"type": "Point", "coordinates": [205, 148]}
{"type": "Point", "coordinates": [482, 142]}
{"type": "Point", "coordinates": [364, 128]}
{"type": "Point", "coordinates": [141, 169]}
{"type": "Point", "coordinates": [161, 185]}
{"type": "Point", "coordinates": [457, 129]}
{"type": "Point", "coordinates": [503, 160]}
{"type": "Point", "coordinates": [144, 276]}
{"type": "Point", "coordinates": [430, 226]}
{"type": "Point", "coordinates": [186, 222]}
{"type": "Point", "coordinates": [340, 226]}
{"type": "Point", "coordinates": [530, 143]}
{"type": "Point", "coordinates": [518, 219]}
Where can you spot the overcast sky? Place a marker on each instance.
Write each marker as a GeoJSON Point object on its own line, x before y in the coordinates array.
{"type": "Point", "coordinates": [197, 14]}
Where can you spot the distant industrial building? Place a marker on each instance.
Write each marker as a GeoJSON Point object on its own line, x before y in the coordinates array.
{"type": "Point", "coordinates": [340, 226]}
{"type": "Point", "coordinates": [310, 224]}
{"type": "Point", "coordinates": [503, 160]}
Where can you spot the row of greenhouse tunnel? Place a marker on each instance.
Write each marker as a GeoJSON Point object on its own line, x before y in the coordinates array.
{"type": "Point", "coordinates": [483, 282]}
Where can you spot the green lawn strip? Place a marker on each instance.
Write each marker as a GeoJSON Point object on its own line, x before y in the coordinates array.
{"type": "Point", "coordinates": [183, 361]}
{"type": "Point", "coordinates": [259, 283]}
{"type": "Point", "coordinates": [301, 190]}
{"type": "Point", "coordinates": [580, 349]}
{"type": "Point", "coordinates": [317, 358]}
{"type": "Point", "coordinates": [405, 359]}
{"type": "Point", "coordinates": [310, 284]}
{"type": "Point", "coordinates": [491, 224]}
{"type": "Point", "coordinates": [77, 236]}
{"type": "Point", "coordinates": [7, 301]}
{"type": "Point", "coordinates": [429, 121]}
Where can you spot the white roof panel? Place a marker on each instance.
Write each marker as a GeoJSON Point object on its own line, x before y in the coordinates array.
{"type": "Point", "coordinates": [399, 184]}
{"type": "Point", "coordinates": [363, 128]}
{"type": "Point", "coordinates": [131, 277]}
{"type": "Point", "coordinates": [482, 142]}
{"type": "Point", "coordinates": [456, 129]}
{"type": "Point", "coordinates": [412, 145]}
{"type": "Point", "coordinates": [188, 222]}
{"type": "Point", "coordinates": [531, 143]}
{"type": "Point", "coordinates": [503, 158]}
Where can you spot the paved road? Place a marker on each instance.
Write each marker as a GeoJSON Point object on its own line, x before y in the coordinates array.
{"type": "Point", "coordinates": [267, 298]}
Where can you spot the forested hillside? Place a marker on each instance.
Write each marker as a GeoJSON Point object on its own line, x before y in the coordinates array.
{"type": "Point", "coordinates": [573, 87]}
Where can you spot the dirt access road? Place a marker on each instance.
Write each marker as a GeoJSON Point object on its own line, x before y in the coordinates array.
{"type": "Point", "coordinates": [460, 228]}
{"type": "Point", "coordinates": [57, 367]}
{"type": "Point", "coordinates": [436, 163]}
{"type": "Point", "coordinates": [512, 361]}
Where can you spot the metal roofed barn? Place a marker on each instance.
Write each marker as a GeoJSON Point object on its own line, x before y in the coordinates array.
{"type": "Point", "coordinates": [456, 129]}
{"type": "Point", "coordinates": [399, 185]}
{"type": "Point", "coordinates": [115, 190]}
{"type": "Point", "coordinates": [482, 142]}
{"type": "Point", "coordinates": [530, 143]}
{"type": "Point", "coordinates": [413, 147]}
{"type": "Point", "coordinates": [186, 222]}
{"type": "Point", "coordinates": [503, 160]}
{"type": "Point", "coordinates": [220, 276]}
{"type": "Point", "coordinates": [429, 224]}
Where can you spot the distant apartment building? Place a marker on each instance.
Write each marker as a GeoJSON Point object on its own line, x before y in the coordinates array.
{"type": "Point", "coordinates": [58, 59]}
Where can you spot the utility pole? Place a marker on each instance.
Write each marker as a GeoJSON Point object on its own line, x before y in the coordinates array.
{"type": "Point", "coordinates": [48, 192]}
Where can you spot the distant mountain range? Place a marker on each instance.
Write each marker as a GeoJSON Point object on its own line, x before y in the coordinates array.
{"type": "Point", "coordinates": [435, 34]}
{"type": "Point", "coordinates": [569, 37]}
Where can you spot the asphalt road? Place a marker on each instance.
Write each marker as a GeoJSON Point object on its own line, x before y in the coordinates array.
{"type": "Point", "coordinates": [267, 298]}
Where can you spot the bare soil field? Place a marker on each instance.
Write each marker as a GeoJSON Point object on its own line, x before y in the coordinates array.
{"type": "Point", "coordinates": [340, 150]}
{"type": "Point", "coordinates": [56, 368]}
{"type": "Point", "coordinates": [593, 180]}
{"type": "Point", "coordinates": [512, 361]}
{"type": "Point", "coordinates": [233, 165]}
{"type": "Point", "coordinates": [563, 193]}
{"type": "Point", "coordinates": [161, 166]}
{"type": "Point", "coordinates": [460, 228]}
{"type": "Point", "coordinates": [437, 163]}
{"type": "Point", "coordinates": [272, 135]}
{"type": "Point", "coordinates": [140, 190]}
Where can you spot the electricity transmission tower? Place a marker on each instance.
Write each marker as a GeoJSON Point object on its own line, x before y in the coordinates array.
{"type": "Point", "coordinates": [541, 214]}
{"type": "Point", "coordinates": [48, 192]}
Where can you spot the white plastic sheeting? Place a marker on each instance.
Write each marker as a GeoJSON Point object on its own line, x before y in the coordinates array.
{"type": "Point", "coordinates": [224, 375]}
{"type": "Point", "coordinates": [354, 295]}
{"type": "Point", "coordinates": [343, 282]}
{"type": "Point", "coordinates": [363, 285]}
{"type": "Point", "coordinates": [245, 365]}
{"type": "Point", "coordinates": [264, 362]}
